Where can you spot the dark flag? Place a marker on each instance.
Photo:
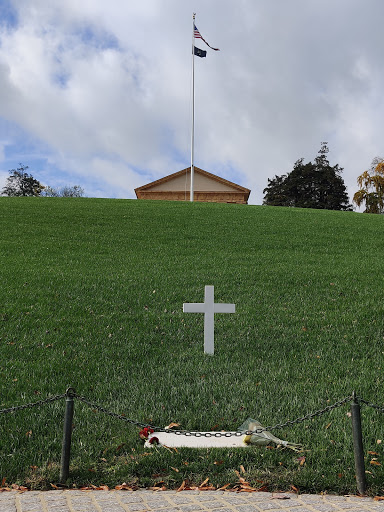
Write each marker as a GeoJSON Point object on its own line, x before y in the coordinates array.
{"type": "Point", "coordinates": [199, 53]}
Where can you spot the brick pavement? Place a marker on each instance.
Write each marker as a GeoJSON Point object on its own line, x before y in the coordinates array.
{"type": "Point", "coordinates": [185, 501]}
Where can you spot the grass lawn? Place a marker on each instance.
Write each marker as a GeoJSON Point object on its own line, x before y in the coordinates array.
{"type": "Point", "coordinates": [91, 297]}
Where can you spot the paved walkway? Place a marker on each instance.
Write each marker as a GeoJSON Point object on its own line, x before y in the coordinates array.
{"type": "Point", "coordinates": [185, 501]}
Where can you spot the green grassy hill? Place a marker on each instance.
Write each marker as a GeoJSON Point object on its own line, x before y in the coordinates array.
{"type": "Point", "coordinates": [91, 296]}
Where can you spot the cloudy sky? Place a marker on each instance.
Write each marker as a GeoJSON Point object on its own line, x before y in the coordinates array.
{"type": "Point", "coordinates": [98, 93]}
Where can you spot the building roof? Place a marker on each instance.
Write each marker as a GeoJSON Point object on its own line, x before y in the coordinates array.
{"type": "Point", "coordinates": [206, 182]}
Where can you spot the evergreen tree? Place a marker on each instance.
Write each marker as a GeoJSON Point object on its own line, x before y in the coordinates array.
{"type": "Point", "coordinates": [275, 193]}
{"type": "Point", "coordinates": [312, 185]}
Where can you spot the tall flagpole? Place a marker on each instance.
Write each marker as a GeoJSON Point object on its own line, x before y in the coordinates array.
{"type": "Point", "coordinates": [193, 107]}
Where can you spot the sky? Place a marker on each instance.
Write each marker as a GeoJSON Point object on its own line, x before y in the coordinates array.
{"type": "Point", "coordinates": [98, 93]}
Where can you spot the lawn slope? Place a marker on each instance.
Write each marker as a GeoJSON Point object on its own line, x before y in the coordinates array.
{"type": "Point", "coordinates": [91, 297]}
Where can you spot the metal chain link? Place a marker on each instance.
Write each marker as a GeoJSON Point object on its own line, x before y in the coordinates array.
{"type": "Point", "coordinates": [369, 404]}
{"type": "Point", "coordinates": [102, 409]}
{"type": "Point", "coordinates": [315, 414]}
{"type": "Point", "coordinates": [33, 404]}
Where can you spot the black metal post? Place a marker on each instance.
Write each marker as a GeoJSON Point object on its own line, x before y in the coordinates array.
{"type": "Point", "coordinates": [67, 436]}
{"type": "Point", "coordinates": [358, 445]}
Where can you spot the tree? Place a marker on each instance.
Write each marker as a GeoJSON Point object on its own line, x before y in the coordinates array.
{"type": "Point", "coordinates": [312, 185]}
{"type": "Point", "coordinates": [50, 192]}
{"type": "Point", "coordinates": [275, 193]}
{"type": "Point", "coordinates": [74, 191]}
{"type": "Point", "coordinates": [371, 185]}
{"type": "Point", "coordinates": [20, 183]}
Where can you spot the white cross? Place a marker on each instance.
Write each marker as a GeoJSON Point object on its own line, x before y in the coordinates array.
{"type": "Point", "coordinates": [209, 308]}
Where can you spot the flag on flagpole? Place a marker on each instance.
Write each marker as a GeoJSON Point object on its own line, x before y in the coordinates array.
{"type": "Point", "coordinates": [197, 35]}
{"type": "Point", "coordinates": [198, 52]}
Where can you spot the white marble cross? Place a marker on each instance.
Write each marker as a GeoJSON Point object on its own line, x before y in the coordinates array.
{"type": "Point", "coordinates": [209, 308]}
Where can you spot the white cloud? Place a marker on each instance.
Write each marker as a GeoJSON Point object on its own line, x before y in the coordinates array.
{"type": "Point", "coordinates": [103, 89]}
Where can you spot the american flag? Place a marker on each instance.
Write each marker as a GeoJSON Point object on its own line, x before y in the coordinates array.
{"type": "Point", "coordinates": [197, 35]}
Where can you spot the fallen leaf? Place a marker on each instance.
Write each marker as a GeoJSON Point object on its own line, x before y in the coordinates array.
{"type": "Point", "coordinates": [375, 463]}
{"type": "Point", "coordinates": [218, 462]}
{"type": "Point", "coordinates": [247, 489]}
{"type": "Point", "coordinates": [124, 487]}
{"type": "Point", "coordinates": [182, 486]}
{"type": "Point", "coordinates": [329, 424]}
{"type": "Point", "coordinates": [378, 498]}
{"type": "Point", "coordinates": [171, 425]}
{"type": "Point", "coordinates": [99, 488]}
{"type": "Point", "coordinates": [174, 469]}
{"type": "Point", "coordinates": [280, 497]}
{"type": "Point", "coordinates": [378, 441]}
{"type": "Point", "coordinates": [28, 434]}
{"type": "Point", "coordinates": [16, 487]}
{"type": "Point", "coordinates": [223, 487]}
{"type": "Point", "coordinates": [205, 482]}
{"type": "Point", "coordinates": [294, 488]}
{"type": "Point", "coordinates": [242, 469]}
{"type": "Point", "coordinates": [373, 453]}
{"type": "Point", "coordinates": [301, 460]}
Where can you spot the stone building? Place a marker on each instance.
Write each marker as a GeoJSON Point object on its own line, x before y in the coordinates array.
{"type": "Point", "coordinates": [208, 188]}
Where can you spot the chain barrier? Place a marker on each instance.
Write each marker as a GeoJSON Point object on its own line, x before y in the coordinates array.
{"type": "Point", "coordinates": [369, 404]}
{"type": "Point", "coordinates": [288, 423]}
{"type": "Point", "coordinates": [312, 415]}
{"type": "Point", "coordinates": [102, 409]}
{"type": "Point", "coordinates": [33, 404]}
{"type": "Point", "coordinates": [70, 395]}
